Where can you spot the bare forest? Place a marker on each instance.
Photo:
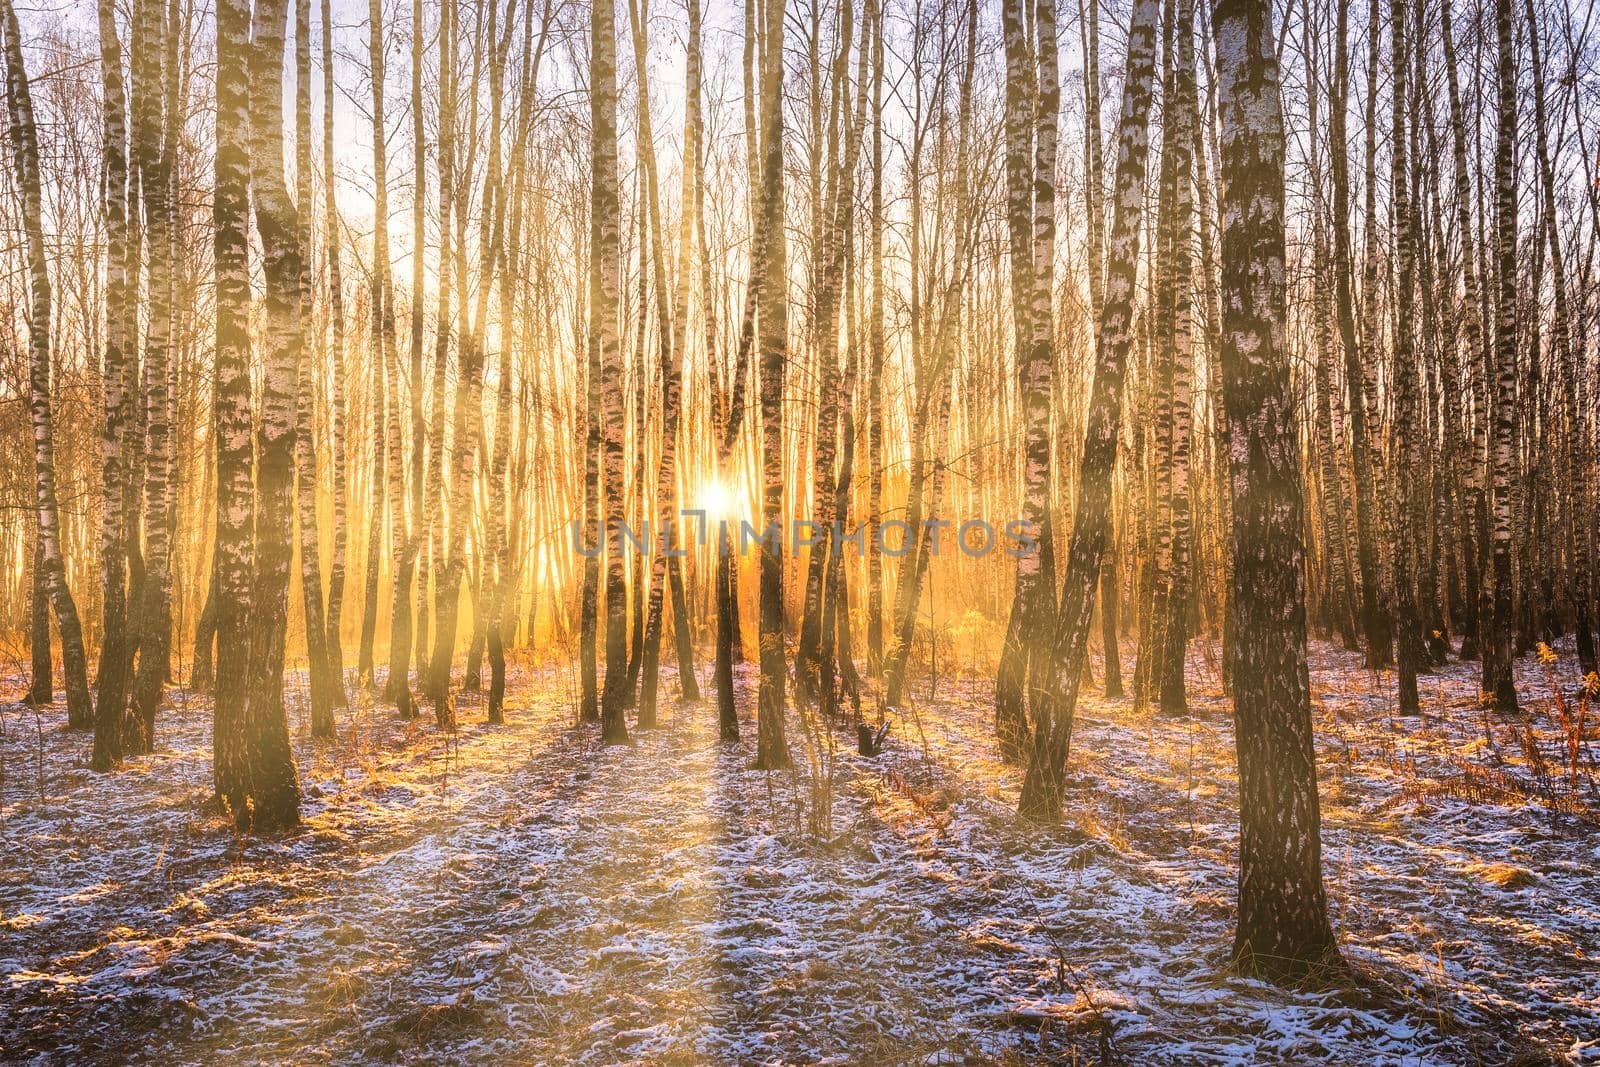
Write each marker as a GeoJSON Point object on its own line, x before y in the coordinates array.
{"type": "Point", "coordinates": [800, 531]}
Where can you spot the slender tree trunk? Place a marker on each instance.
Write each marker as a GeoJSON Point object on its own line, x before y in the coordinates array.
{"type": "Point", "coordinates": [1477, 355]}
{"type": "Point", "coordinates": [133, 435]}
{"type": "Point", "coordinates": [176, 298]}
{"type": "Point", "coordinates": [875, 368]}
{"type": "Point", "coordinates": [1152, 602]}
{"type": "Point", "coordinates": [727, 418]}
{"type": "Point", "coordinates": [41, 681]}
{"type": "Point", "coordinates": [112, 676]}
{"type": "Point", "coordinates": [467, 419]}
{"type": "Point", "coordinates": [235, 453]}
{"type": "Point", "coordinates": [1404, 561]}
{"type": "Point", "coordinates": [1579, 566]}
{"type": "Point", "coordinates": [606, 254]}
{"type": "Point", "coordinates": [150, 151]}
{"type": "Point", "coordinates": [1170, 684]}
{"type": "Point", "coordinates": [422, 518]}
{"type": "Point", "coordinates": [1044, 784]}
{"type": "Point", "coordinates": [341, 536]}
{"type": "Point", "coordinates": [593, 537]}
{"type": "Point", "coordinates": [1221, 511]}
{"type": "Point", "coordinates": [838, 675]}
{"type": "Point", "coordinates": [673, 344]}
{"type": "Point", "coordinates": [203, 672]}
{"type": "Point", "coordinates": [1374, 621]}
{"type": "Point", "coordinates": [435, 456]}
{"type": "Point", "coordinates": [1497, 650]}
{"type": "Point", "coordinates": [366, 658]}
{"type": "Point", "coordinates": [1094, 202]}
{"type": "Point", "coordinates": [500, 577]}
{"type": "Point", "coordinates": [634, 496]}
{"type": "Point", "coordinates": [1035, 370]}
{"type": "Point", "coordinates": [826, 286]}
{"type": "Point", "coordinates": [1046, 135]}
{"type": "Point", "coordinates": [397, 687]}
{"type": "Point", "coordinates": [772, 751]}
{"type": "Point", "coordinates": [324, 679]}
{"type": "Point", "coordinates": [1283, 924]}
{"type": "Point", "coordinates": [384, 415]}
{"type": "Point", "coordinates": [498, 566]}
{"type": "Point", "coordinates": [834, 637]}
{"type": "Point", "coordinates": [1337, 605]}
{"type": "Point", "coordinates": [274, 798]}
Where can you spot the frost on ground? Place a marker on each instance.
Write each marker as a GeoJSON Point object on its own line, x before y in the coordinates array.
{"type": "Point", "coordinates": [521, 894]}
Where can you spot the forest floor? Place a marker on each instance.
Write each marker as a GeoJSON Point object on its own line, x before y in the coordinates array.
{"type": "Point", "coordinates": [521, 894]}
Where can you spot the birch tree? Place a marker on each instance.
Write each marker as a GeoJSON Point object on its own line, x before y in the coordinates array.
{"type": "Point", "coordinates": [326, 689]}
{"type": "Point", "coordinates": [25, 146]}
{"type": "Point", "coordinates": [1498, 686]}
{"type": "Point", "coordinates": [1043, 786]}
{"type": "Point", "coordinates": [1283, 924]}
{"type": "Point", "coordinates": [111, 699]}
{"type": "Point", "coordinates": [772, 751]}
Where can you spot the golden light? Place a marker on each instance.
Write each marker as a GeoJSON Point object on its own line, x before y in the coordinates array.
{"type": "Point", "coordinates": [718, 501]}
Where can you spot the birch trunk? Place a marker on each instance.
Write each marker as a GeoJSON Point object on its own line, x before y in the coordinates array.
{"type": "Point", "coordinates": [1498, 686]}
{"type": "Point", "coordinates": [673, 336]}
{"type": "Point", "coordinates": [1283, 924]}
{"type": "Point", "coordinates": [233, 422]}
{"type": "Point", "coordinates": [150, 151]}
{"type": "Point", "coordinates": [49, 564]}
{"type": "Point", "coordinates": [112, 677]}
{"type": "Point", "coordinates": [467, 418]}
{"type": "Point", "coordinates": [324, 680]}
{"type": "Point", "coordinates": [274, 796]}
{"type": "Point", "coordinates": [397, 688]}
{"type": "Point", "coordinates": [1034, 373]}
{"type": "Point", "coordinates": [1044, 784]}
{"type": "Point", "coordinates": [341, 536]}
{"type": "Point", "coordinates": [772, 751]}
{"type": "Point", "coordinates": [1404, 561]}
{"type": "Point", "coordinates": [1170, 682]}
{"type": "Point", "coordinates": [435, 456]}
{"type": "Point", "coordinates": [1374, 622]}
{"type": "Point", "coordinates": [875, 367]}
{"type": "Point", "coordinates": [1579, 565]}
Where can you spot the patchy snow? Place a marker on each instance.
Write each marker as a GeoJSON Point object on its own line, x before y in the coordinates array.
{"type": "Point", "coordinates": [520, 893]}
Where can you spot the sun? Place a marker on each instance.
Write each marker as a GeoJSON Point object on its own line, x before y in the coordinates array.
{"type": "Point", "coordinates": [717, 500]}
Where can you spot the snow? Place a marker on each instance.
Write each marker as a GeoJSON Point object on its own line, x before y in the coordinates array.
{"type": "Point", "coordinates": [520, 893]}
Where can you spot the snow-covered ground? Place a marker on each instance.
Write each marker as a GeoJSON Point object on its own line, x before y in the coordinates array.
{"type": "Point", "coordinates": [521, 894]}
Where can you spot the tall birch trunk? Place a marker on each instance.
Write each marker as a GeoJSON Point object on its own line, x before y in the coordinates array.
{"type": "Point", "coordinates": [467, 418]}
{"type": "Point", "coordinates": [1283, 924]}
{"type": "Point", "coordinates": [1374, 621]}
{"type": "Point", "coordinates": [772, 751]}
{"type": "Point", "coordinates": [274, 796]}
{"type": "Point", "coordinates": [1044, 784]}
{"type": "Point", "coordinates": [1034, 373]}
{"type": "Point", "coordinates": [1169, 683]}
{"type": "Point", "coordinates": [150, 152]}
{"type": "Point", "coordinates": [1579, 565]}
{"type": "Point", "coordinates": [49, 562]}
{"type": "Point", "coordinates": [673, 336]}
{"type": "Point", "coordinates": [324, 679]}
{"type": "Point", "coordinates": [397, 688]}
{"type": "Point", "coordinates": [1498, 686]}
{"type": "Point", "coordinates": [875, 345]}
{"type": "Point", "coordinates": [232, 420]}
{"type": "Point", "coordinates": [1404, 561]}
{"type": "Point", "coordinates": [112, 677]}
{"type": "Point", "coordinates": [336, 370]}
